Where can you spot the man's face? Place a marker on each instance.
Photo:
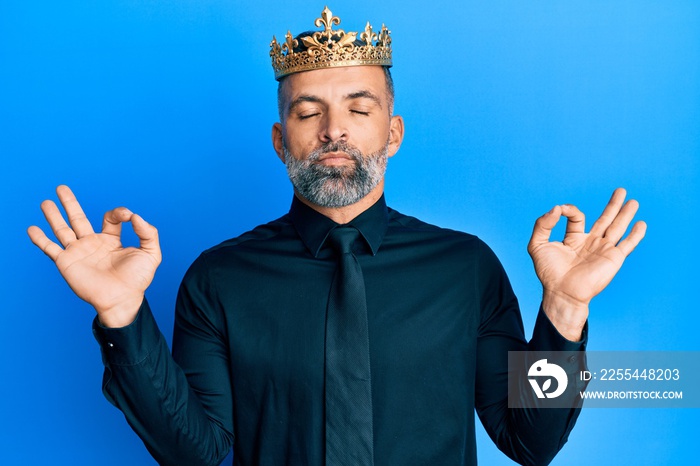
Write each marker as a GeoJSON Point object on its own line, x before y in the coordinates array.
{"type": "Point", "coordinates": [336, 133]}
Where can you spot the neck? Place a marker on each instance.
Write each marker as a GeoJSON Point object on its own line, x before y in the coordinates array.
{"type": "Point", "coordinates": [345, 214]}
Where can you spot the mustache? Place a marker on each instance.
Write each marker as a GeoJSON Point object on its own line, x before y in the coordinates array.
{"type": "Point", "coordinates": [337, 146]}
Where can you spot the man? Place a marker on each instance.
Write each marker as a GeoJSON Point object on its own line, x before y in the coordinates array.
{"type": "Point", "coordinates": [343, 332]}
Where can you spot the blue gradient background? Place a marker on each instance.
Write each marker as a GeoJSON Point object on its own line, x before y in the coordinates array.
{"type": "Point", "coordinates": [510, 108]}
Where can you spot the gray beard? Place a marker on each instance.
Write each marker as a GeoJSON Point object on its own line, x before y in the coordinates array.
{"type": "Point", "coordinates": [330, 186]}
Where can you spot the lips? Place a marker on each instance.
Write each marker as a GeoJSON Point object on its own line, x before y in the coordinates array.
{"type": "Point", "coordinates": [334, 156]}
{"type": "Point", "coordinates": [335, 159]}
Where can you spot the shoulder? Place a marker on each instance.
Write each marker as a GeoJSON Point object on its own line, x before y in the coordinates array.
{"type": "Point", "coordinates": [462, 244]}
{"type": "Point", "coordinates": [267, 238]}
{"type": "Point", "coordinates": [252, 238]}
{"type": "Point", "coordinates": [415, 228]}
{"type": "Point", "coordinates": [448, 249]}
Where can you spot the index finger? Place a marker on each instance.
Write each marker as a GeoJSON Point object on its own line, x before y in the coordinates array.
{"type": "Point", "coordinates": [113, 219]}
{"type": "Point", "coordinates": [78, 221]}
{"type": "Point", "coordinates": [575, 219]}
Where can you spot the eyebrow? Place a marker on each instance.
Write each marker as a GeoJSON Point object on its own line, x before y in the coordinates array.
{"type": "Point", "coordinates": [303, 98]}
{"type": "Point", "coordinates": [364, 94]}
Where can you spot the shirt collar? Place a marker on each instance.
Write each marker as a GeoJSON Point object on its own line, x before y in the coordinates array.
{"type": "Point", "coordinates": [313, 227]}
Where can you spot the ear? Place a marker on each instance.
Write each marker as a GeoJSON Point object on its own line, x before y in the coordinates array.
{"type": "Point", "coordinates": [278, 140]}
{"type": "Point", "coordinates": [395, 134]}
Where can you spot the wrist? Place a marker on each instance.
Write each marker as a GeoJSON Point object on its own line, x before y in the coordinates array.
{"type": "Point", "coordinates": [566, 314]}
{"type": "Point", "coordinates": [120, 314]}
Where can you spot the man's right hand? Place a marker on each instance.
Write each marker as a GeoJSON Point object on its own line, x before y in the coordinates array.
{"type": "Point", "coordinates": [112, 278]}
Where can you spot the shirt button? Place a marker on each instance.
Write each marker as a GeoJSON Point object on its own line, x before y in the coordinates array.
{"type": "Point", "coordinates": [110, 344]}
{"type": "Point", "coordinates": [572, 359]}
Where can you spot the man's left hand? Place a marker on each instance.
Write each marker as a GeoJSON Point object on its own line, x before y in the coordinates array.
{"type": "Point", "coordinates": [572, 272]}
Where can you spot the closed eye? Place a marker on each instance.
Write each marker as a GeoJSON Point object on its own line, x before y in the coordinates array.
{"type": "Point", "coordinates": [358, 112]}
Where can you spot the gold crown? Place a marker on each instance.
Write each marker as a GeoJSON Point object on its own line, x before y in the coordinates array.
{"type": "Point", "coordinates": [330, 48]}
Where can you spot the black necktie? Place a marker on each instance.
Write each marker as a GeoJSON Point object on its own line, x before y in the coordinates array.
{"type": "Point", "coordinates": [348, 385]}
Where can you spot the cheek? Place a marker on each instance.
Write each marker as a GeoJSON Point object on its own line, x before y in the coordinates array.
{"type": "Point", "coordinates": [373, 137]}
{"type": "Point", "coordinates": [291, 133]}
{"type": "Point", "coordinates": [300, 143]}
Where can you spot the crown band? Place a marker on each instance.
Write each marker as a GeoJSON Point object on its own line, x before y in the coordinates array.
{"type": "Point", "coordinates": [330, 48]}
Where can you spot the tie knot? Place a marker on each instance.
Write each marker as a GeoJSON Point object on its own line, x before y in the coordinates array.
{"type": "Point", "coordinates": [342, 238]}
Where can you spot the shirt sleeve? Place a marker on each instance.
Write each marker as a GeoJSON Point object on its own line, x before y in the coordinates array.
{"type": "Point", "coordinates": [529, 436]}
{"type": "Point", "coordinates": [182, 414]}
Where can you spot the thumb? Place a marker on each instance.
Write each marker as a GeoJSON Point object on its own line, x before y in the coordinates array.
{"type": "Point", "coordinates": [543, 228]}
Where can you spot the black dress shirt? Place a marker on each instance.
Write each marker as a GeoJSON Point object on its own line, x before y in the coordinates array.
{"type": "Point", "coordinates": [248, 350]}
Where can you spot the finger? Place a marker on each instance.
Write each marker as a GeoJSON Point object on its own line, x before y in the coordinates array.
{"type": "Point", "coordinates": [58, 225]}
{"type": "Point", "coordinates": [609, 213]}
{"type": "Point", "coordinates": [543, 227]}
{"type": "Point", "coordinates": [622, 221]}
{"type": "Point", "coordinates": [148, 236]}
{"type": "Point", "coordinates": [40, 239]}
{"type": "Point", "coordinates": [76, 217]}
{"type": "Point", "coordinates": [113, 219]}
{"type": "Point", "coordinates": [575, 220]}
{"type": "Point", "coordinates": [628, 244]}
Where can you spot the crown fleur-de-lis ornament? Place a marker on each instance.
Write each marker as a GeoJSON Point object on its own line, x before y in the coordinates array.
{"type": "Point", "coordinates": [330, 48]}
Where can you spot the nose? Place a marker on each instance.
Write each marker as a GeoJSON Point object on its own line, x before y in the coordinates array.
{"type": "Point", "coordinates": [334, 127]}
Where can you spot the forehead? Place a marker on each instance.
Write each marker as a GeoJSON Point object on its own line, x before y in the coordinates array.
{"type": "Point", "coordinates": [336, 82]}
